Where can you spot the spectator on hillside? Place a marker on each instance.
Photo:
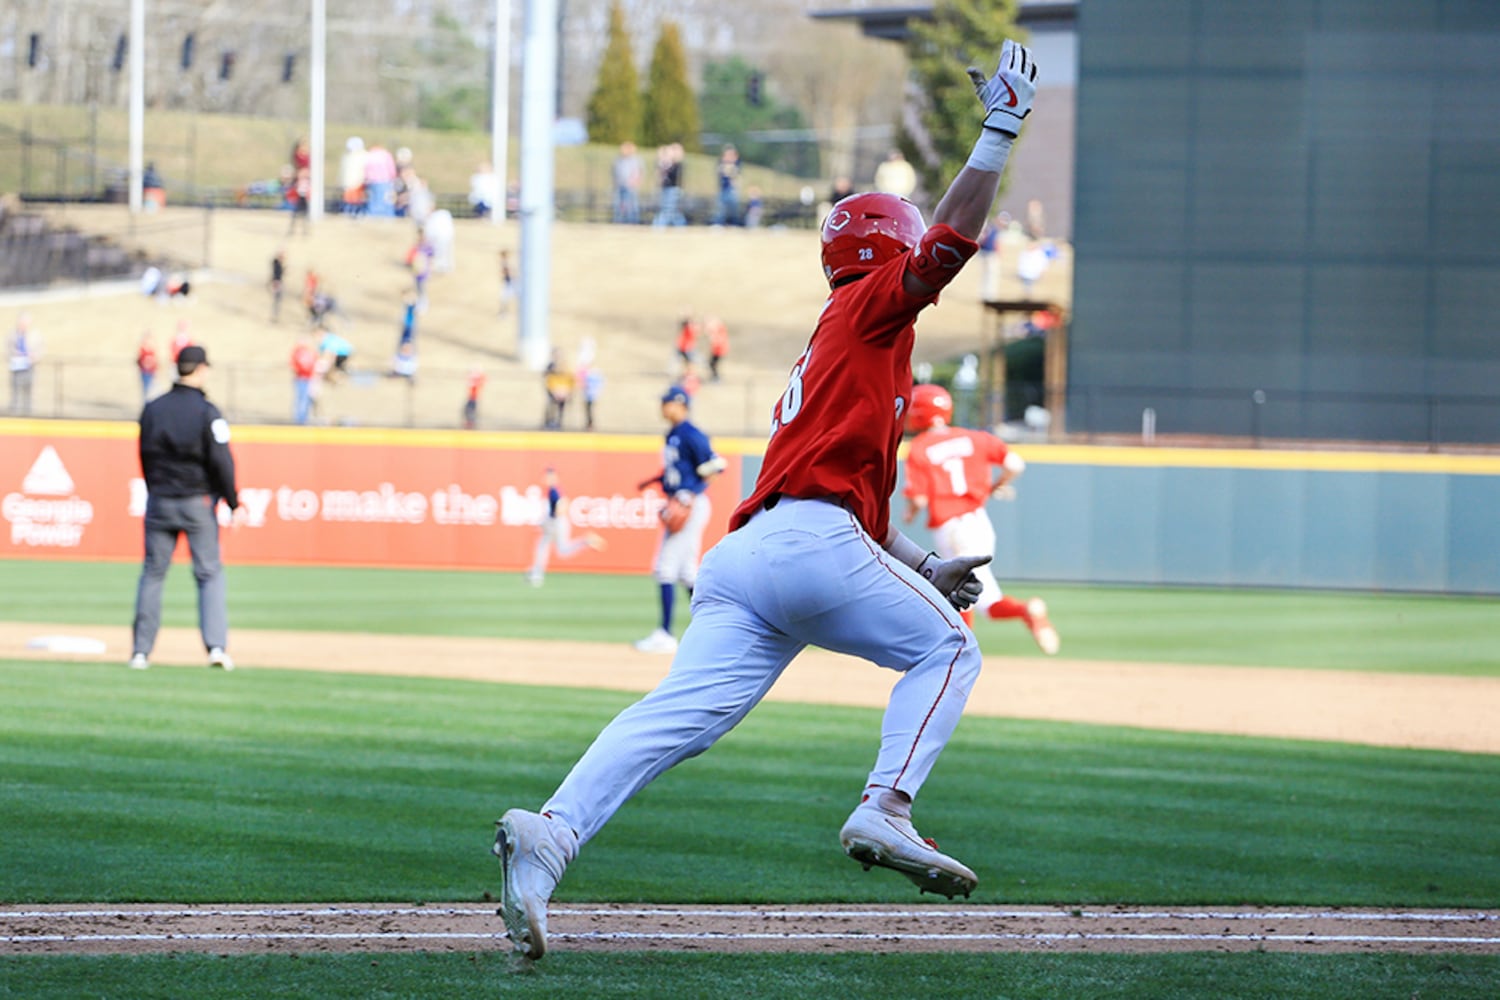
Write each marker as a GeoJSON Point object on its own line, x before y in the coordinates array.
{"type": "Point", "coordinates": [627, 178]}
{"type": "Point", "coordinates": [896, 176]}
{"type": "Point", "coordinates": [419, 260]}
{"type": "Point", "coordinates": [755, 206]}
{"type": "Point", "coordinates": [380, 179]}
{"type": "Point", "coordinates": [727, 209]}
{"type": "Point", "coordinates": [146, 364]}
{"type": "Point", "coordinates": [304, 371]}
{"type": "Point", "coordinates": [1033, 263]}
{"type": "Point", "coordinates": [324, 307]}
{"type": "Point", "coordinates": [669, 175]}
{"type": "Point", "coordinates": [310, 289]}
{"type": "Point", "coordinates": [404, 364]}
{"type": "Point", "coordinates": [352, 175]}
{"type": "Point", "coordinates": [277, 283]}
{"type": "Point", "coordinates": [471, 400]}
{"type": "Point", "coordinates": [507, 283]}
{"type": "Point", "coordinates": [438, 230]}
{"type": "Point", "coordinates": [687, 338]}
{"type": "Point", "coordinates": [1036, 219]}
{"type": "Point", "coordinates": [484, 190]}
{"type": "Point", "coordinates": [153, 191]}
{"type": "Point", "coordinates": [408, 319]}
{"type": "Point", "coordinates": [301, 158]}
{"type": "Point", "coordinates": [558, 382]}
{"type": "Point", "coordinates": [338, 350]}
{"type": "Point", "coordinates": [22, 350]}
{"type": "Point", "coordinates": [718, 345]}
{"type": "Point", "coordinates": [593, 387]}
{"type": "Point", "coordinates": [301, 194]}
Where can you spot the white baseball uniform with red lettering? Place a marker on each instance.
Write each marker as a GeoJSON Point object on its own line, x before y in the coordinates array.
{"type": "Point", "coordinates": [950, 467]}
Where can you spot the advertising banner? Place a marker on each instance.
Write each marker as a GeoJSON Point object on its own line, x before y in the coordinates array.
{"type": "Point", "coordinates": [351, 497]}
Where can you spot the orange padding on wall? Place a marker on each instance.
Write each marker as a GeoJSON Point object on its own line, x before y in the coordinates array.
{"type": "Point", "coordinates": [471, 505]}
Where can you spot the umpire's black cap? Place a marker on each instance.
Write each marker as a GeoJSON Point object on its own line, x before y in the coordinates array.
{"type": "Point", "coordinates": [190, 357]}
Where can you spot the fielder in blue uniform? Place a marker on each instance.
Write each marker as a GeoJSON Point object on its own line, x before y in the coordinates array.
{"type": "Point", "coordinates": [688, 465]}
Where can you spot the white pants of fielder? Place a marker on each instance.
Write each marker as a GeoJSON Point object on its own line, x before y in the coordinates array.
{"type": "Point", "coordinates": [677, 556]}
{"type": "Point", "coordinates": [971, 534]}
{"type": "Point", "coordinates": [555, 533]}
{"type": "Point", "coordinates": [801, 573]}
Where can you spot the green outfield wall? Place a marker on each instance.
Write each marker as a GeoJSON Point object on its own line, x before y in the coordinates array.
{"type": "Point", "coordinates": [1215, 517]}
{"type": "Point", "coordinates": [1253, 518]}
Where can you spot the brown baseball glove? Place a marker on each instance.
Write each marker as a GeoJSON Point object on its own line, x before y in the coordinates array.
{"type": "Point", "coordinates": [675, 514]}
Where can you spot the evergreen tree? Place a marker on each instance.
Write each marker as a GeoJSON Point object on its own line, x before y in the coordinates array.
{"type": "Point", "coordinates": [962, 33]}
{"type": "Point", "coordinates": [737, 100]}
{"type": "Point", "coordinates": [671, 110]}
{"type": "Point", "coordinates": [614, 111]}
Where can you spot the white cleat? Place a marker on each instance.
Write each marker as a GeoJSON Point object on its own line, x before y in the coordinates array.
{"type": "Point", "coordinates": [660, 641]}
{"type": "Point", "coordinates": [879, 832]}
{"type": "Point", "coordinates": [218, 658]}
{"type": "Point", "coordinates": [139, 662]}
{"type": "Point", "coordinates": [534, 852]}
{"type": "Point", "coordinates": [1041, 629]}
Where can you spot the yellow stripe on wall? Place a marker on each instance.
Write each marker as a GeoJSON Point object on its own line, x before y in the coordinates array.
{"type": "Point", "coordinates": [1040, 454]}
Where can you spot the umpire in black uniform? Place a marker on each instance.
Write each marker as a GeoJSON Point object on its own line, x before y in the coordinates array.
{"type": "Point", "coordinates": [188, 467]}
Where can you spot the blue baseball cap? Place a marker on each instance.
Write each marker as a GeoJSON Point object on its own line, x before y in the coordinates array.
{"type": "Point", "coordinates": [676, 394]}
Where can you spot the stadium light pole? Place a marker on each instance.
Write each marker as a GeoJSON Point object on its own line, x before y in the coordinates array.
{"type": "Point", "coordinates": [538, 116]}
{"type": "Point", "coordinates": [137, 103]}
{"type": "Point", "coordinates": [500, 109]}
{"type": "Point", "coordinates": [317, 98]}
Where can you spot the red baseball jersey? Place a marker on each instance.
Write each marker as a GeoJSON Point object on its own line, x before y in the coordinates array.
{"type": "Point", "coordinates": [950, 466]}
{"type": "Point", "coordinates": [836, 428]}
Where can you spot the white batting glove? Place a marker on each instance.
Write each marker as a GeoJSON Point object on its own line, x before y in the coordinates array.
{"type": "Point", "coordinates": [1008, 94]}
{"type": "Point", "coordinates": [1005, 491]}
{"type": "Point", "coordinates": [954, 578]}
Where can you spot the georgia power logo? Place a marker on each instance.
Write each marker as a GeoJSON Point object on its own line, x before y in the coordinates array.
{"type": "Point", "coordinates": [47, 511]}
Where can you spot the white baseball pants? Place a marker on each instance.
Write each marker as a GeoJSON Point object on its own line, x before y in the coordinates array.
{"type": "Point", "coordinates": [801, 573]}
{"type": "Point", "coordinates": [678, 554]}
{"type": "Point", "coordinates": [971, 534]}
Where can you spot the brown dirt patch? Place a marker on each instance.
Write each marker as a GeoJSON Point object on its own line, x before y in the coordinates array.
{"type": "Point", "coordinates": [322, 927]}
{"type": "Point", "coordinates": [1448, 713]}
{"type": "Point", "coordinates": [1398, 710]}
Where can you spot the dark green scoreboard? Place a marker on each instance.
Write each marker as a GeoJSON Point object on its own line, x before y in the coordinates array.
{"type": "Point", "coordinates": [1288, 219]}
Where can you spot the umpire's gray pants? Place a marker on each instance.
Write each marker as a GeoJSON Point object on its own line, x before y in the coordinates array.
{"type": "Point", "coordinates": [166, 518]}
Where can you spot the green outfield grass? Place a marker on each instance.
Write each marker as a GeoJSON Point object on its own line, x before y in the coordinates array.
{"type": "Point", "coordinates": [265, 785]}
{"type": "Point", "coordinates": [1332, 630]}
{"type": "Point", "coordinates": [782, 977]}
{"type": "Point", "coordinates": [268, 786]}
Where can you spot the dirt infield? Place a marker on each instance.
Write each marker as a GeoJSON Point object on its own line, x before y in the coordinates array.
{"type": "Point", "coordinates": [1449, 713]}
{"type": "Point", "coordinates": [314, 928]}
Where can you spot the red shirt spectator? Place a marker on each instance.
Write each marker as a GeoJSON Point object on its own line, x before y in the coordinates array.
{"type": "Point", "coordinates": [687, 338]}
{"type": "Point", "coordinates": [304, 360]}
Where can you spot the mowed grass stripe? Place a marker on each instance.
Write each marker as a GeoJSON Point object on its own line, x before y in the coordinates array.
{"type": "Point", "coordinates": [771, 977]}
{"type": "Point", "coordinates": [1311, 629]}
{"type": "Point", "coordinates": [273, 786]}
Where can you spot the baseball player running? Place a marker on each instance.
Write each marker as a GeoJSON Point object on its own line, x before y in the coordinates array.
{"type": "Point", "coordinates": [688, 466]}
{"type": "Point", "coordinates": [948, 476]}
{"type": "Point", "coordinates": [556, 534]}
{"type": "Point", "coordinates": [811, 557]}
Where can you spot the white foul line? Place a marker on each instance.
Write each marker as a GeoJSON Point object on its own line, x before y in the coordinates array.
{"type": "Point", "coordinates": [962, 914]}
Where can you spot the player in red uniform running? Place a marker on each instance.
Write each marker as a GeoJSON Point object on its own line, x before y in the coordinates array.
{"type": "Point", "coordinates": [811, 557]}
{"type": "Point", "coordinates": [948, 476]}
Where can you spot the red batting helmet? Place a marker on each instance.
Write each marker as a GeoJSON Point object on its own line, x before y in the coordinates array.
{"type": "Point", "coordinates": [865, 230]}
{"type": "Point", "coordinates": [928, 403]}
